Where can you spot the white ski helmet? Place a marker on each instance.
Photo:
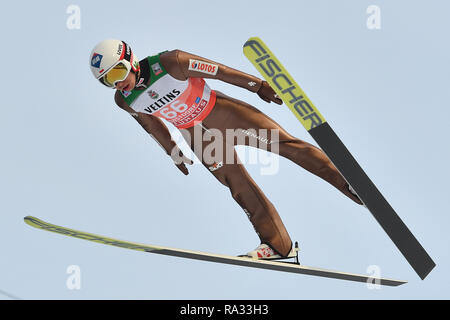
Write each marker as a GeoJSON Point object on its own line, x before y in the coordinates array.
{"type": "Point", "coordinates": [111, 61]}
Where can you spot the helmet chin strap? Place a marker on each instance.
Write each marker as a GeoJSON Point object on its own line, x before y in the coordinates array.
{"type": "Point", "coordinates": [139, 83]}
{"type": "Point", "coordinates": [136, 74]}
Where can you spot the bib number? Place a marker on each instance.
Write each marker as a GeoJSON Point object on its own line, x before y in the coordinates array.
{"type": "Point", "coordinates": [172, 111]}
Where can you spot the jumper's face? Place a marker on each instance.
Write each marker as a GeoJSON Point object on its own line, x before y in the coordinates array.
{"type": "Point", "coordinates": [128, 83]}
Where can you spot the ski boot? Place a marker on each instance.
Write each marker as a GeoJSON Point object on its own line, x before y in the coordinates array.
{"type": "Point", "coordinates": [265, 252]}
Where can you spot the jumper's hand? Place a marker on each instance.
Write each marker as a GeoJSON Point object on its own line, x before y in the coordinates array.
{"type": "Point", "coordinates": [180, 159]}
{"type": "Point", "coordinates": [267, 94]}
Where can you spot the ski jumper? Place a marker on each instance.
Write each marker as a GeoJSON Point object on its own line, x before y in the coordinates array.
{"type": "Point", "coordinates": [171, 87]}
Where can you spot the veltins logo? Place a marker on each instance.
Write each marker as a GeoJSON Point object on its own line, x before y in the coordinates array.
{"type": "Point", "coordinates": [153, 94]}
{"type": "Point", "coordinates": [96, 59]}
{"type": "Point", "coordinates": [204, 67]}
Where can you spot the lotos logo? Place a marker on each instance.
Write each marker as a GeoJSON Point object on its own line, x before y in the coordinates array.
{"type": "Point", "coordinates": [96, 60]}
{"type": "Point", "coordinates": [204, 67]}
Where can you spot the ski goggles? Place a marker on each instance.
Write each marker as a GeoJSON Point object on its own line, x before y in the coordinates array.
{"type": "Point", "coordinates": [117, 73]}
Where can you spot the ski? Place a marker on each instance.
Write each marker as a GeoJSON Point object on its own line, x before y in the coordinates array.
{"type": "Point", "coordinates": [305, 111]}
{"type": "Point", "coordinates": [218, 258]}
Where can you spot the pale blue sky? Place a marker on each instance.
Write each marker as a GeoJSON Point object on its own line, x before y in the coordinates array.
{"type": "Point", "coordinates": [69, 156]}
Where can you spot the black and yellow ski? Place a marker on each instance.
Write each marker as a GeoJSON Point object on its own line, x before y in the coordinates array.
{"type": "Point", "coordinates": [305, 111]}
{"type": "Point", "coordinates": [196, 255]}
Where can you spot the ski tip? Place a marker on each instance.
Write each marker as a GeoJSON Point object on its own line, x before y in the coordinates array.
{"type": "Point", "coordinates": [30, 220]}
{"type": "Point", "coordinates": [251, 40]}
{"type": "Point", "coordinates": [27, 219]}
